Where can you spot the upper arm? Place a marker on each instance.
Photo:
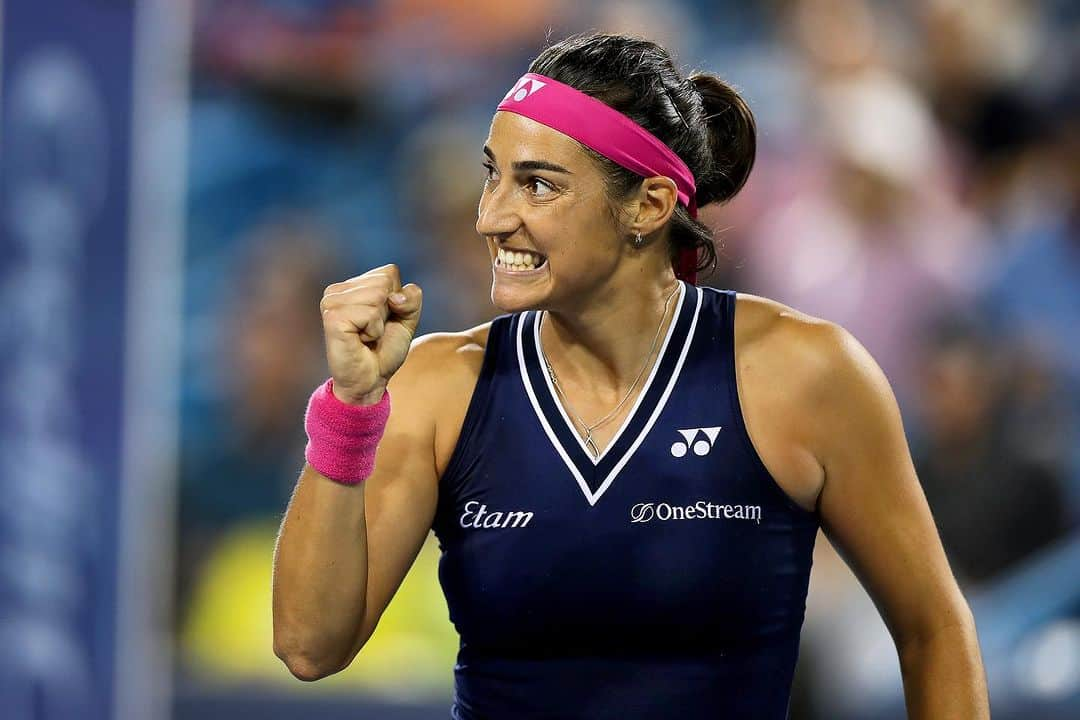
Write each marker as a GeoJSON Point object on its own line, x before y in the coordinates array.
{"type": "Point", "coordinates": [401, 495]}
{"type": "Point", "coordinates": [872, 506]}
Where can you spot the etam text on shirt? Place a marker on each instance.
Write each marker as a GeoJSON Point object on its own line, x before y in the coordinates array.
{"type": "Point", "coordinates": [476, 515]}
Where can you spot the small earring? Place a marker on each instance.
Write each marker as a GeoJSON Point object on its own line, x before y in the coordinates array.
{"type": "Point", "coordinates": [638, 240]}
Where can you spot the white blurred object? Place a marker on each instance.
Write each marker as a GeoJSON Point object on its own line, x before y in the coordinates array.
{"type": "Point", "coordinates": [1047, 664]}
{"type": "Point", "coordinates": [996, 39]}
{"type": "Point", "coordinates": [877, 122]}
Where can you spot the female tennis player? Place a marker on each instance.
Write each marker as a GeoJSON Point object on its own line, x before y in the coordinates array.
{"type": "Point", "coordinates": [625, 471]}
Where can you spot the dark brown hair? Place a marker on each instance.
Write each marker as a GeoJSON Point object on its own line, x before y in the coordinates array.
{"type": "Point", "coordinates": [700, 117]}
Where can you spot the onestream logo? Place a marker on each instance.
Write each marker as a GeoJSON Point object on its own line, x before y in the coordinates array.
{"type": "Point", "coordinates": [701, 510]}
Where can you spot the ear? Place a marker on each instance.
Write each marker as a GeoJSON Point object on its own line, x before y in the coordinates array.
{"type": "Point", "coordinates": [655, 202]}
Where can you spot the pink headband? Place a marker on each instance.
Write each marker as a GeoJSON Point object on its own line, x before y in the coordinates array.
{"type": "Point", "coordinates": [608, 132]}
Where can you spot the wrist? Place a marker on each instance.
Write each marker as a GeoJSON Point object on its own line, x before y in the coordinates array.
{"type": "Point", "coordinates": [343, 437]}
{"type": "Point", "coordinates": [371, 397]}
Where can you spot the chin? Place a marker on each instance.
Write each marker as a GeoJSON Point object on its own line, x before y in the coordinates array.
{"type": "Point", "coordinates": [511, 302]}
{"type": "Point", "coordinates": [511, 297]}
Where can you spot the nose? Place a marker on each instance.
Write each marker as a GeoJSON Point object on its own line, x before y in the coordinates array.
{"type": "Point", "coordinates": [496, 216]}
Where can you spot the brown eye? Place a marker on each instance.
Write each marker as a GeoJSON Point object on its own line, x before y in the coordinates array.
{"type": "Point", "coordinates": [540, 188]}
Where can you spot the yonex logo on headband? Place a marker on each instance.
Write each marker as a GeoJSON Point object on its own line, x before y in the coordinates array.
{"type": "Point", "coordinates": [525, 87]}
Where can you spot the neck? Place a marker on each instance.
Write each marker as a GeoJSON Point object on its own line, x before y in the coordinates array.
{"type": "Point", "coordinates": [604, 341]}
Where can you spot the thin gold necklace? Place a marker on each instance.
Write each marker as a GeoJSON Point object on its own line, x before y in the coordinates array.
{"type": "Point", "coordinates": [588, 440]}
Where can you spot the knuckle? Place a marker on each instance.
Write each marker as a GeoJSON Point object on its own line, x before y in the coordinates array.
{"type": "Point", "coordinates": [393, 275]}
{"type": "Point", "coordinates": [378, 281]}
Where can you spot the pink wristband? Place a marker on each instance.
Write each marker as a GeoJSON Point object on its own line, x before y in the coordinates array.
{"type": "Point", "coordinates": [342, 438]}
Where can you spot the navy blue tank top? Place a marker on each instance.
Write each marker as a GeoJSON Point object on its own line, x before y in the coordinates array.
{"type": "Point", "coordinates": [665, 579]}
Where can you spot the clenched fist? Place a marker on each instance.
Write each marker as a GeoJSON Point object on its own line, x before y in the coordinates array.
{"type": "Point", "coordinates": [369, 322]}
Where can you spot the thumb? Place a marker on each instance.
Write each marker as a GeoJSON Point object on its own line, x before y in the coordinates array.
{"type": "Point", "coordinates": [405, 306]}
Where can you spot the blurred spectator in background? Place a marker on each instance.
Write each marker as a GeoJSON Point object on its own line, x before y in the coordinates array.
{"type": "Point", "coordinates": [269, 354]}
{"type": "Point", "coordinates": [305, 53]}
{"type": "Point", "coordinates": [993, 458]}
{"type": "Point", "coordinates": [289, 115]}
{"type": "Point", "coordinates": [983, 67]}
{"type": "Point", "coordinates": [1033, 297]}
{"type": "Point", "coordinates": [871, 236]}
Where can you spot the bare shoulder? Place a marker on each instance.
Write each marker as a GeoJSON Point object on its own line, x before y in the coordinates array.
{"type": "Point", "coordinates": [439, 376]}
{"type": "Point", "coordinates": [795, 374]}
{"type": "Point", "coordinates": [819, 359]}
{"type": "Point", "coordinates": [453, 352]}
{"type": "Point", "coordinates": [807, 348]}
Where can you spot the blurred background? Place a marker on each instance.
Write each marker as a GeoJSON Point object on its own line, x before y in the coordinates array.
{"type": "Point", "coordinates": [179, 179]}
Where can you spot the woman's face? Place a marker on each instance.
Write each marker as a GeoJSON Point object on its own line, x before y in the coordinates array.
{"type": "Point", "coordinates": [543, 196]}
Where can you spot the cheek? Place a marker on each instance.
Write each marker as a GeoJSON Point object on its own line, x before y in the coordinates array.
{"type": "Point", "coordinates": [580, 260]}
{"type": "Point", "coordinates": [579, 230]}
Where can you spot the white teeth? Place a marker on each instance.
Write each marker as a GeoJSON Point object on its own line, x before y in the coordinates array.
{"type": "Point", "coordinates": [517, 260]}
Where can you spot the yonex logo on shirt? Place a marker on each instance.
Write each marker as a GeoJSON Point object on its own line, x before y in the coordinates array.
{"type": "Point", "coordinates": [476, 515]}
{"type": "Point", "coordinates": [523, 89]}
{"type": "Point", "coordinates": [701, 510]}
{"type": "Point", "coordinates": [701, 447]}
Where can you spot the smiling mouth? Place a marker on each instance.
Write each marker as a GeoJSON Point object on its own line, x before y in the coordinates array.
{"type": "Point", "coordinates": [519, 261]}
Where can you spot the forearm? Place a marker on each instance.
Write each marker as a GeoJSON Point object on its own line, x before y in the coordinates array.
{"type": "Point", "coordinates": [320, 576]}
{"type": "Point", "coordinates": [943, 675]}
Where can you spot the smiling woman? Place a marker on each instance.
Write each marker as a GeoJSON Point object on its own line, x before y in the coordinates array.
{"type": "Point", "coordinates": [612, 389]}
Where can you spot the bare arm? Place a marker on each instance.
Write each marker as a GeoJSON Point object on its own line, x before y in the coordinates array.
{"type": "Point", "coordinates": [328, 590]}
{"type": "Point", "coordinates": [874, 511]}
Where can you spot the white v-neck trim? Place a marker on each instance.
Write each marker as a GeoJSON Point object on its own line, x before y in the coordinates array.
{"type": "Point", "coordinates": [590, 496]}
{"type": "Point", "coordinates": [637, 401]}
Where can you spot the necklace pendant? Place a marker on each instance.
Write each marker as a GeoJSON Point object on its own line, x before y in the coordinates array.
{"type": "Point", "coordinates": [590, 444]}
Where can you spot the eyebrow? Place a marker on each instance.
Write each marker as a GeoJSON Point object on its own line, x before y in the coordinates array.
{"type": "Point", "coordinates": [524, 165]}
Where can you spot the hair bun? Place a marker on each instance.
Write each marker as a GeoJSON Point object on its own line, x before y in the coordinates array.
{"type": "Point", "coordinates": [732, 134]}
